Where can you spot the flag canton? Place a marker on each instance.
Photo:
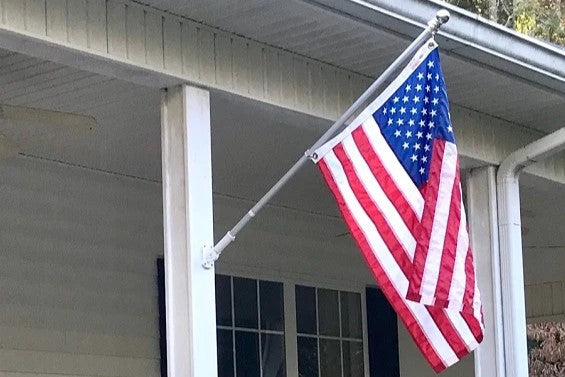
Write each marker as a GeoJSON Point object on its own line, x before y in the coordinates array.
{"type": "Point", "coordinates": [415, 115]}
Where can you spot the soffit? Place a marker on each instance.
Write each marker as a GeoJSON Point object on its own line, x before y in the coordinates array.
{"type": "Point", "coordinates": [317, 33]}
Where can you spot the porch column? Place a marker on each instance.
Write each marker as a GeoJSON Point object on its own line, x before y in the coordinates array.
{"type": "Point", "coordinates": [483, 228]}
{"type": "Point", "coordinates": [187, 216]}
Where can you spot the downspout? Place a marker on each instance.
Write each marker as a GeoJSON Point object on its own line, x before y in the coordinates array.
{"type": "Point", "coordinates": [510, 237]}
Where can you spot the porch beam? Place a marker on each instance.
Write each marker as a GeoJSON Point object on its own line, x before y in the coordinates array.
{"type": "Point", "coordinates": [188, 221]}
{"type": "Point", "coordinates": [483, 231]}
{"type": "Point", "coordinates": [102, 36]}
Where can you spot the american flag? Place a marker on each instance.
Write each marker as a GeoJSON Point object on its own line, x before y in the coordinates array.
{"type": "Point", "coordinates": [394, 172]}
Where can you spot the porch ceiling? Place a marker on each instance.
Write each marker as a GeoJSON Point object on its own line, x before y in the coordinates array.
{"type": "Point", "coordinates": [252, 145]}
{"type": "Point", "coordinates": [318, 33]}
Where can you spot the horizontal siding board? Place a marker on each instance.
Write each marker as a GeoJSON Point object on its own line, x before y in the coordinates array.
{"type": "Point", "coordinates": [77, 11]}
{"type": "Point", "coordinates": [173, 45]}
{"type": "Point", "coordinates": [31, 339]}
{"type": "Point", "coordinates": [545, 300]}
{"type": "Point", "coordinates": [288, 84]}
{"type": "Point", "coordinates": [47, 362]}
{"type": "Point", "coordinates": [57, 23]}
{"type": "Point", "coordinates": [84, 279]}
{"type": "Point", "coordinates": [74, 320]}
{"type": "Point", "coordinates": [55, 296]}
{"type": "Point", "coordinates": [330, 85]}
{"type": "Point", "coordinates": [77, 299]}
{"type": "Point", "coordinates": [116, 26]}
{"type": "Point", "coordinates": [13, 13]}
{"type": "Point", "coordinates": [189, 42]}
{"type": "Point", "coordinates": [557, 297]}
{"type": "Point", "coordinates": [317, 85]}
{"type": "Point", "coordinates": [223, 59]}
{"type": "Point", "coordinates": [256, 70]}
{"type": "Point", "coordinates": [272, 75]}
{"type": "Point", "coordinates": [240, 66]}
{"type": "Point", "coordinates": [34, 16]}
{"type": "Point", "coordinates": [135, 33]}
{"type": "Point", "coordinates": [303, 87]}
{"type": "Point", "coordinates": [96, 25]}
{"type": "Point", "coordinates": [154, 39]}
{"type": "Point", "coordinates": [206, 54]}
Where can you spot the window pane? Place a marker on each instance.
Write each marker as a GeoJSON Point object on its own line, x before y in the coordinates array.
{"type": "Point", "coordinates": [307, 357]}
{"type": "Point", "coordinates": [245, 302]}
{"type": "Point", "coordinates": [225, 353]}
{"type": "Point", "coordinates": [247, 354]}
{"type": "Point", "coordinates": [223, 300]}
{"type": "Point", "coordinates": [351, 326]}
{"type": "Point", "coordinates": [305, 310]}
{"type": "Point", "coordinates": [272, 308]}
{"type": "Point", "coordinates": [330, 360]}
{"type": "Point", "coordinates": [328, 312]}
{"type": "Point", "coordinates": [353, 359]}
{"type": "Point", "coordinates": [273, 357]}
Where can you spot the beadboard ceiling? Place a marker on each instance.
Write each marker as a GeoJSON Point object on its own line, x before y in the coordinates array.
{"type": "Point", "coordinates": [309, 30]}
{"type": "Point", "coordinates": [253, 143]}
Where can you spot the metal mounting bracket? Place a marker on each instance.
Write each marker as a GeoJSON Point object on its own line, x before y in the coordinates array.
{"type": "Point", "coordinates": [209, 256]}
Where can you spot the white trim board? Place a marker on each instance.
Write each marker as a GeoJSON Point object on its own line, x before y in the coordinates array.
{"type": "Point", "coordinates": [124, 39]}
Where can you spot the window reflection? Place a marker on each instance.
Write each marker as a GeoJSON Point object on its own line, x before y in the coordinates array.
{"type": "Point", "coordinates": [330, 333]}
{"type": "Point", "coordinates": [250, 322]}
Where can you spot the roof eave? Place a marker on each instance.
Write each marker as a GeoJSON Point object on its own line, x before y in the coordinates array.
{"type": "Point", "coordinates": [466, 35]}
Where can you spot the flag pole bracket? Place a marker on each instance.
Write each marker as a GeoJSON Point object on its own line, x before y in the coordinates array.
{"type": "Point", "coordinates": [210, 254]}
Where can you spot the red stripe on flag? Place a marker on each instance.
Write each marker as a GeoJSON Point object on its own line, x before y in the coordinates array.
{"type": "Point", "coordinates": [423, 231]}
{"type": "Point", "coordinates": [470, 282]}
{"type": "Point", "coordinates": [450, 245]}
{"type": "Point", "coordinates": [474, 325]}
{"type": "Point", "coordinates": [385, 180]}
{"type": "Point", "coordinates": [386, 232]}
{"type": "Point", "coordinates": [382, 278]}
{"type": "Point", "coordinates": [397, 251]}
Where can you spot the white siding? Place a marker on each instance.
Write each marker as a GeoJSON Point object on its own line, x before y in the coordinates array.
{"type": "Point", "coordinates": [545, 301]}
{"type": "Point", "coordinates": [78, 292]}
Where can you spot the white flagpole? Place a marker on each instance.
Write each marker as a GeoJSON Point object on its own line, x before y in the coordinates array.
{"type": "Point", "coordinates": [211, 254]}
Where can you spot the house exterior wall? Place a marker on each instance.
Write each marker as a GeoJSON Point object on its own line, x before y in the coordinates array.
{"type": "Point", "coordinates": [141, 44]}
{"type": "Point", "coordinates": [77, 272]}
{"type": "Point", "coordinates": [78, 291]}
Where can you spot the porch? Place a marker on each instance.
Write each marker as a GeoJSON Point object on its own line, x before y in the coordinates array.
{"type": "Point", "coordinates": [82, 210]}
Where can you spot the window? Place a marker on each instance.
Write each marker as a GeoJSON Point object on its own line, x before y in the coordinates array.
{"type": "Point", "coordinates": [250, 327]}
{"type": "Point", "coordinates": [330, 333]}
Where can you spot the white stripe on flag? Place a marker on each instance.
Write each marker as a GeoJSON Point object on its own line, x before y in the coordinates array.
{"type": "Point", "coordinates": [457, 287]}
{"type": "Point", "coordinates": [393, 167]}
{"type": "Point", "coordinates": [462, 329]}
{"type": "Point", "coordinates": [379, 198]}
{"type": "Point", "coordinates": [388, 263]}
{"type": "Point", "coordinates": [439, 226]}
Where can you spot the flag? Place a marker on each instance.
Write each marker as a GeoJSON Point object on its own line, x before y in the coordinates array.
{"type": "Point", "coordinates": [394, 172]}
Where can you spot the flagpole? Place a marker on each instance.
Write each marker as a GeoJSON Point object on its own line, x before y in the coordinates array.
{"type": "Point", "coordinates": [212, 253]}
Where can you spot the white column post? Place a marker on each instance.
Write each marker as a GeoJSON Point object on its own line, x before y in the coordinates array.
{"type": "Point", "coordinates": [483, 228]}
{"type": "Point", "coordinates": [188, 220]}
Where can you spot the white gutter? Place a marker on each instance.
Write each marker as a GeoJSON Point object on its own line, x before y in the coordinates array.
{"type": "Point", "coordinates": [468, 36]}
{"type": "Point", "coordinates": [510, 238]}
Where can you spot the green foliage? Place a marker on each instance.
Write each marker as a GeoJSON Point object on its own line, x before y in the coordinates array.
{"type": "Point", "coordinates": [543, 19]}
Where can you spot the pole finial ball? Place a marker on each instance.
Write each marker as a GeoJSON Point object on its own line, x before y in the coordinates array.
{"type": "Point", "coordinates": [442, 16]}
